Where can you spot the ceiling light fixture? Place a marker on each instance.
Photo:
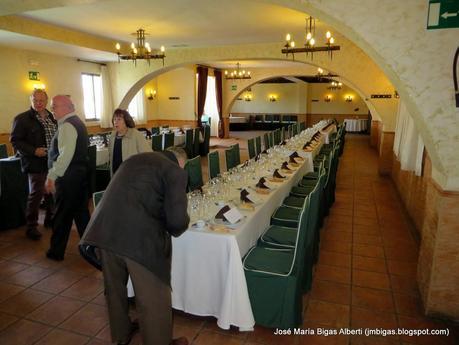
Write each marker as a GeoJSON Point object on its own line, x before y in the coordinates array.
{"type": "Point", "coordinates": [310, 45]}
{"type": "Point", "coordinates": [238, 73]}
{"type": "Point", "coordinates": [335, 85]}
{"type": "Point", "coordinates": [141, 51]}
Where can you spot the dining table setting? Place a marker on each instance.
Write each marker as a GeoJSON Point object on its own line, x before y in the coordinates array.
{"type": "Point", "coordinates": [227, 217]}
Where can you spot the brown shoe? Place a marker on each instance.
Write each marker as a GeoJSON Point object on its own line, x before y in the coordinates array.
{"type": "Point", "coordinates": [179, 341]}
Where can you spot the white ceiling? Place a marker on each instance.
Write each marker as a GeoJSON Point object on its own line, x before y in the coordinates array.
{"type": "Point", "coordinates": [190, 23]}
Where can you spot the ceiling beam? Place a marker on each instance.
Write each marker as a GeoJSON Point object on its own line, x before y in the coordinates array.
{"type": "Point", "coordinates": [8, 7]}
{"type": "Point", "coordinates": [29, 27]}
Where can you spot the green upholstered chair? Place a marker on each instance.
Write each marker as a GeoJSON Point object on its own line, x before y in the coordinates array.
{"type": "Point", "coordinates": [266, 141]}
{"type": "Point", "coordinates": [213, 159]}
{"type": "Point", "coordinates": [96, 197]}
{"type": "Point", "coordinates": [196, 134]}
{"type": "Point", "coordinates": [189, 143]}
{"type": "Point", "coordinates": [231, 158]}
{"type": "Point", "coordinates": [3, 151]}
{"type": "Point", "coordinates": [193, 168]}
{"type": "Point", "coordinates": [275, 279]}
{"type": "Point", "coordinates": [271, 139]}
{"type": "Point", "coordinates": [157, 142]}
{"type": "Point", "coordinates": [204, 146]}
{"type": "Point", "coordinates": [258, 144]}
{"type": "Point", "coordinates": [168, 140]}
{"type": "Point", "coordinates": [154, 130]}
{"type": "Point", "coordinates": [237, 153]}
{"type": "Point", "coordinates": [251, 148]}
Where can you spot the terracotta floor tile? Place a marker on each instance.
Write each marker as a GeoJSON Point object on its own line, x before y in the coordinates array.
{"type": "Point", "coordinates": [56, 310]}
{"type": "Point", "coordinates": [29, 276]}
{"type": "Point", "coordinates": [102, 342]}
{"type": "Point", "coordinates": [80, 267]}
{"type": "Point", "coordinates": [332, 273]}
{"type": "Point", "coordinates": [408, 305]}
{"type": "Point", "coordinates": [367, 239]}
{"type": "Point", "coordinates": [6, 320]}
{"type": "Point", "coordinates": [402, 268]}
{"type": "Point", "coordinates": [365, 221]}
{"type": "Point", "coordinates": [89, 320]}
{"type": "Point", "coordinates": [330, 235]}
{"type": "Point", "coordinates": [60, 337]}
{"type": "Point", "coordinates": [265, 336]}
{"type": "Point", "coordinates": [368, 250]}
{"type": "Point", "coordinates": [29, 257]}
{"type": "Point", "coordinates": [337, 226]}
{"type": "Point", "coordinates": [338, 218]}
{"type": "Point", "coordinates": [370, 279]}
{"type": "Point", "coordinates": [402, 254]}
{"type": "Point", "coordinates": [404, 285]}
{"type": "Point", "coordinates": [372, 299]}
{"type": "Point", "coordinates": [328, 314]}
{"type": "Point", "coordinates": [365, 318]}
{"type": "Point", "coordinates": [328, 291]}
{"type": "Point", "coordinates": [322, 335]}
{"type": "Point", "coordinates": [334, 259]}
{"type": "Point", "coordinates": [374, 340]}
{"type": "Point", "coordinates": [25, 302]}
{"type": "Point", "coordinates": [100, 300]}
{"type": "Point", "coordinates": [58, 281]}
{"type": "Point", "coordinates": [336, 246]}
{"type": "Point", "coordinates": [372, 230]}
{"type": "Point", "coordinates": [364, 263]}
{"type": "Point", "coordinates": [104, 333]}
{"type": "Point", "coordinates": [85, 289]}
{"type": "Point", "coordinates": [208, 338]}
{"type": "Point", "coordinates": [409, 323]}
{"type": "Point", "coordinates": [8, 268]}
{"type": "Point", "coordinates": [341, 211]}
{"type": "Point", "coordinates": [8, 290]}
{"type": "Point", "coordinates": [23, 332]}
{"type": "Point", "coordinates": [188, 332]}
{"type": "Point", "coordinates": [233, 331]}
{"type": "Point", "coordinates": [185, 319]}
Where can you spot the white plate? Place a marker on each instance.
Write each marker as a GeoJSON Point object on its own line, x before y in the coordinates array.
{"type": "Point", "coordinates": [195, 226]}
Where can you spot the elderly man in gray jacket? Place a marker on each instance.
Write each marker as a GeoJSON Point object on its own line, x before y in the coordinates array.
{"type": "Point", "coordinates": [144, 204]}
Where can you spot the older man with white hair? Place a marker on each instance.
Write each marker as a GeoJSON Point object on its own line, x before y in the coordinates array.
{"type": "Point", "coordinates": [67, 175]}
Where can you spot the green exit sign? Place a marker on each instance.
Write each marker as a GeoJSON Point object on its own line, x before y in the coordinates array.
{"type": "Point", "coordinates": [233, 87]}
{"type": "Point", "coordinates": [443, 14]}
{"type": "Point", "coordinates": [34, 75]}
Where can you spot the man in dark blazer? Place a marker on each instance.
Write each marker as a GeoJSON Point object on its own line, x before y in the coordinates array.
{"type": "Point", "coordinates": [144, 204]}
{"type": "Point", "coordinates": [31, 137]}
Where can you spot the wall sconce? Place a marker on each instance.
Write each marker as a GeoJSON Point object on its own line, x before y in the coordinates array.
{"type": "Point", "coordinates": [151, 94]}
{"type": "Point", "coordinates": [349, 98]}
{"type": "Point", "coordinates": [248, 97]}
{"type": "Point", "coordinates": [396, 95]}
{"type": "Point", "coordinates": [327, 98]}
{"type": "Point", "coordinates": [39, 86]}
{"type": "Point", "coordinates": [272, 98]}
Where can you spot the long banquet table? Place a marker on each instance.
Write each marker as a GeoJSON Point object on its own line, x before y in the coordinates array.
{"type": "Point", "coordinates": [356, 125]}
{"type": "Point", "coordinates": [207, 273]}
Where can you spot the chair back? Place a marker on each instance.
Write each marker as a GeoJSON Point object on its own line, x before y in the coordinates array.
{"type": "Point", "coordinates": [204, 147]}
{"type": "Point", "coordinates": [169, 139]}
{"type": "Point", "coordinates": [213, 159]}
{"type": "Point", "coordinates": [157, 142]}
{"type": "Point", "coordinates": [193, 168]}
{"type": "Point", "coordinates": [145, 131]}
{"type": "Point", "coordinates": [196, 133]}
{"type": "Point", "coordinates": [268, 118]}
{"type": "Point", "coordinates": [92, 161]}
{"type": "Point", "coordinates": [3, 151]}
{"type": "Point", "coordinates": [96, 197]}
{"type": "Point", "coordinates": [154, 130]}
{"type": "Point", "coordinates": [266, 141]}
{"type": "Point", "coordinates": [258, 144]}
{"type": "Point", "coordinates": [271, 139]}
{"type": "Point", "coordinates": [237, 153]}
{"type": "Point", "coordinates": [189, 143]}
{"type": "Point", "coordinates": [231, 158]}
{"type": "Point", "coordinates": [251, 148]}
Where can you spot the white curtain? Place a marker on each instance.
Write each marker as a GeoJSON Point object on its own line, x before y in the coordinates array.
{"type": "Point", "coordinates": [107, 101]}
{"type": "Point", "coordinates": [408, 144]}
{"type": "Point", "coordinates": [137, 108]}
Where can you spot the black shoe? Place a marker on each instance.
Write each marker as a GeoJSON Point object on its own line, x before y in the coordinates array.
{"type": "Point", "coordinates": [52, 256]}
{"type": "Point", "coordinates": [33, 234]}
{"type": "Point", "coordinates": [134, 329]}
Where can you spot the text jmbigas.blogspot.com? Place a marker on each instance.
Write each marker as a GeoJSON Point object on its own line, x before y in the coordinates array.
{"type": "Point", "coordinates": [361, 331]}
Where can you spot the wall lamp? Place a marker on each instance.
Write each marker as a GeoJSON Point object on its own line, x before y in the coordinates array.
{"type": "Point", "coordinates": [349, 98]}
{"type": "Point", "coordinates": [327, 98]}
{"type": "Point", "coordinates": [39, 86]}
{"type": "Point", "coordinates": [248, 97]}
{"type": "Point", "coordinates": [151, 94]}
{"type": "Point", "coordinates": [273, 98]}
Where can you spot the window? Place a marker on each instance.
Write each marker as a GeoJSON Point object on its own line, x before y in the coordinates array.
{"type": "Point", "coordinates": [135, 108]}
{"type": "Point", "coordinates": [210, 107]}
{"type": "Point", "coordinates": [92, 96]}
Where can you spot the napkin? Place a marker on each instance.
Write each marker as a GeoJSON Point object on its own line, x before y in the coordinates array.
{"type": "Point", "coordinates": [221, 213]}
{"type": "Point", "coordinates": [276, 174]}
{"type": "Point", "coordinates": [296, 156]}
{"type": "Point", "coordinates": [244, 196]}
{"type": "Point", "coordinates": [285, 166]}
{"type": "Point", "coordinates": [261, 184]}
{"type": "Point", "coordinates": [293, 161]}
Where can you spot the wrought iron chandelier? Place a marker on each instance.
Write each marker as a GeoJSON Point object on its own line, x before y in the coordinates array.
{"type": "Point", "coordinates": [141, 51]}
{"type": "Point", "coordinates": [238, 73]}
{"type": "Point", "coordinates": [310, 45]}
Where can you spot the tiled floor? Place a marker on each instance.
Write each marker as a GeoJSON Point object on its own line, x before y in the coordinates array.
{"type": "Point", "coordinates": [365, 278]}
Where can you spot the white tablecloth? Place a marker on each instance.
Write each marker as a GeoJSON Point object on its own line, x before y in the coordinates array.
{"type": "Point", "coordinates": [102, 156]}
{"type": "Point", "coordinates": [237, 119]}
{"type": "Point", "coordinates": [207, 273]}
{"type": "Point", "coordinates": [327, 132]}
{"type": "Point", "coordinates": [356, 125]}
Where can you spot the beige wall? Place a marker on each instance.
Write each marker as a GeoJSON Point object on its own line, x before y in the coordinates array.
{"type": "Point", "coordinates": [61, 75]}
{"type": "Point", "coordinates": [337, 105]}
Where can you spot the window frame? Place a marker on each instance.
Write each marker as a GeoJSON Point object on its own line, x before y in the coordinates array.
{"type": "Point", "coordinates": [94, 117]}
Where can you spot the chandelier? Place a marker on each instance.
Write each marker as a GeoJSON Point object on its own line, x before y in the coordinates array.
{"type": "Point", "coordinates": [310, 45]}
{"type": "Point", "coordinates": [141, 51]}
{"type": "Point", "coordinates": [238, 73]}
{"type": "Point", "coordinates": [335, 85]}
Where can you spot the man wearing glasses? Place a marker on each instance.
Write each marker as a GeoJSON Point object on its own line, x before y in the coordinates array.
{"type": "Point", "coordinates": [31, 137]}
